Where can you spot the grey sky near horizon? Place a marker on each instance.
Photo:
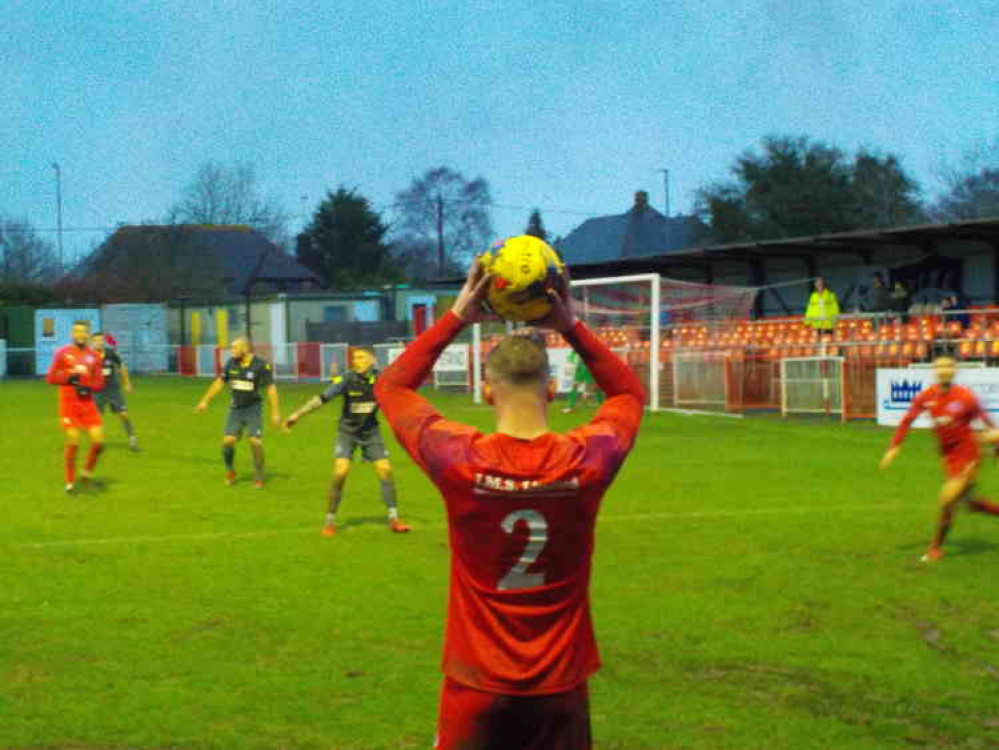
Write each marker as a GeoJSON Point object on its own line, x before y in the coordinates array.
{"type": "Point", "coordinates": [565, 106]}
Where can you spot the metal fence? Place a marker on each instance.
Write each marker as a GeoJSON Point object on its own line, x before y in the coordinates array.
{"type": "Point", "coordinates": [728, 366]}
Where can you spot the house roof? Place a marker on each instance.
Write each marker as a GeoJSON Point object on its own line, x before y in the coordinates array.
{"type": "Point", "coordinates": [638, 232]}
{"type": "Point", "coordinates": [246, 256]}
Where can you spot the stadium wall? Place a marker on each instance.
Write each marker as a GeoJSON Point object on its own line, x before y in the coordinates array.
{"type": "Point", "coordinates": [52, 330]}
{"type": "Point", "coordinates": [141, 334]}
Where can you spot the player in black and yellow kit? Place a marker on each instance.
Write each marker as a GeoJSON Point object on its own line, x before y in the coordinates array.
{"type": "Point", "coordinates": [116, 379]}
{"type": "Point", "coordinates": [358, 430]}
{"type": "Point", "coordinates": [248, 376]}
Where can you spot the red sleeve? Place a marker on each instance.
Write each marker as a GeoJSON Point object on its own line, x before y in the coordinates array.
{"type": "Point", "coordinates": [59, 373]}
{"type": "Point", "coordinates": [910, 416]}
{"type": "Point", "coordinates": [621, 413]}
{"type": "Point", "coordinates": [981, 413]}
{"type": "Point", "coordinates": [417, 425]}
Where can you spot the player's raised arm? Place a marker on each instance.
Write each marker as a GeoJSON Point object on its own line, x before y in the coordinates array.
{"type": "Point", "coordinates": [217, 385]}
{"type": "Point", "coordinates": [406, 410]}
{"type": "Point", "coordinates": [272, 397]}
{"type": "Point", "coordinates": [915, 409]}
{"type": "Point", "coordinates": [126, 380]}
{"type": "Point", "coordinates": [623, 409]}
{"type": "Point", "coordinates": [336, 388]}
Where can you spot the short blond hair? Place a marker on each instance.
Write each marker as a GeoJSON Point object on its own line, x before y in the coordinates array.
{"type": "Point", "coordinates": [519, 360]}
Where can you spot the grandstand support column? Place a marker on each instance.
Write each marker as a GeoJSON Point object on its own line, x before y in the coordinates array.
{"type": "Point", "coordinates": [995, 270]}
{"type": "Point", "coordinates": [759, 272]}
{"type": "Point", "coordinates": [476, 363]}
{"type": "Point", "coordinates": [654, 351]}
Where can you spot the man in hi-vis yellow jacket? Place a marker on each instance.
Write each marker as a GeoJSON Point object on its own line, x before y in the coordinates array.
{"type": "Point", "coordinates": [823, 308]}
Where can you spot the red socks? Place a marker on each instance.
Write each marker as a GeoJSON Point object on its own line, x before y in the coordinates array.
{"type": "Point", "coordinates": [984, 506]}
{"type": "Point", "coordinates": [95, 452]}
{"type": "Point", "coordinates": [70, 454]}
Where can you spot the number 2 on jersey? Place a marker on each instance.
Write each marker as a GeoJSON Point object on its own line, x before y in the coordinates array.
{"type": "Point", "coordinates": [537, 536]}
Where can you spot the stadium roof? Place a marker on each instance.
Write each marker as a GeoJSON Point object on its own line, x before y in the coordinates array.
{"type": "Point", "coordinates": [246, 256]}
{"type": "Point", "coordinates": [866, 247]}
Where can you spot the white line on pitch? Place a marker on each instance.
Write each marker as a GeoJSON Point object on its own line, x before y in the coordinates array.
{"type": "Point", "coordinates": [436, 525]}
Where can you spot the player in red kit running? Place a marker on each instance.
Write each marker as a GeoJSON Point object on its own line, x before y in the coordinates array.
{"type": "Point", "coordinates": [521, 505]}
{"type": "Point", "coordinates": [76, 369]}
{"type": "Point", "coordinates": [952, 408]}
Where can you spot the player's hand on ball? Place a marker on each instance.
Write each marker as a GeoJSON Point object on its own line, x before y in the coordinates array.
{"type": "Point", "coordinates": [468, 305]}
{"type": "Point", "coordinates": [562, 318]}
{"type": "Point", "coordinates": [890, 455]}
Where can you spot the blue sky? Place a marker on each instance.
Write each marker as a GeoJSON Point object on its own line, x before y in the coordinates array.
{"type": "Point", "coordinates": [568, 106]}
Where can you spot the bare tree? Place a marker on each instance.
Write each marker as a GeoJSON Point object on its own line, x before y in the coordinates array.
{"type": "Point", "coordinates": [25, 258]}
{"type": "Point", "coordinates": [222, 194]}
{"type": "Point", "coordinates": [971, 185]}
{"type": "Point", "coordinates": [444, 211]}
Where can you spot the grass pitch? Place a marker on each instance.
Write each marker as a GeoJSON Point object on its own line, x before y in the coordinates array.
{"type": "Point", "coordinates": [756, 585]}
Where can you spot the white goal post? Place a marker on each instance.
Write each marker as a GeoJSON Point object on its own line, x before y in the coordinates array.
{"type": "Point", "coordinates": [617, 302]}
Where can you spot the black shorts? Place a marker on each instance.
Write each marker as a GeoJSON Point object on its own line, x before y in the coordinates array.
{"type": "Point", "coordinates": [246, 418]}
{"type": "Point", "coordinates": [111, 397]}
{"type": "Point", "coordinates": [370, 442]}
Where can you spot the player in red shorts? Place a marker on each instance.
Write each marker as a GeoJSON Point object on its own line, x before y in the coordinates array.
{"type": "Point", "coordinates": [76, 369]}
{"type": "Point", "coordinates": [953, 408]}
{"type": "Point", "coordinates": [521, 505]}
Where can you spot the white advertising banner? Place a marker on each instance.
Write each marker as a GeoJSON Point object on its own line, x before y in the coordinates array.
{"type": "Point", "coordinates": [454, 358]}
{"type": "Point", "coordinates": [896, 388]}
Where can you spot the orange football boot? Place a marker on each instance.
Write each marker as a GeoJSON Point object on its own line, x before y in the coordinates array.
{"type": "Point", "coordinates": [398, 526]}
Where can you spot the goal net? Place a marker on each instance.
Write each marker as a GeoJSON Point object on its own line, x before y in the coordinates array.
{"type": "Point", "coordinates": [623, 312]}
{"type": "Point", "coordinates": [649, 320]}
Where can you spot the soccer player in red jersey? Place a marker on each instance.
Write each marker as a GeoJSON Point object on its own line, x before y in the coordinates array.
{"type": "Point", "coordinates": [952, 408]}
{"type": "Point", "coordinates": [521, 506]}
{"type": "Point", "coordinates": [76, 369]}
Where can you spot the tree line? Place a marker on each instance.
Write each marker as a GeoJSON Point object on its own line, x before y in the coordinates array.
{"type": "Point", "coordinates": [786, 186]}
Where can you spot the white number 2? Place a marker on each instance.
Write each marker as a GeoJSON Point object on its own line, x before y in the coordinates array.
{"type": "Point", "coordinates": [537, 537]}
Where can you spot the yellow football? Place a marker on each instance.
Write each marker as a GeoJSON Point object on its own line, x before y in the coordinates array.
{"type": "Point", "coordinates": [524, 269]}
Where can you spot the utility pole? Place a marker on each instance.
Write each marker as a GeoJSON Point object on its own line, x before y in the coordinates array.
{"type": "Point", "coordinates": [665, 191]}
{"type": "Point", "coordinates": [440, 236]}
{"type": "Point", "coordinates": [58, 173]}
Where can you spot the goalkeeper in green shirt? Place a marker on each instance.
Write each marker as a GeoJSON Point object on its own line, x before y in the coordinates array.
{"type": "Point", "coordinates": [582, 382]}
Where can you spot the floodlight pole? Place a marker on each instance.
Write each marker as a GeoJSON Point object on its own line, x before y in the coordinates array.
{"type": "Point", "coordinates": [58, 174]}
{"type": "Point", "coordinates": [665, 191]}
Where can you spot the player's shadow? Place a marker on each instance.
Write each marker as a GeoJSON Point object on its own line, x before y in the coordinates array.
{"type": "Point", "coordinates": [363, 521]}
{"type": "Point", "coordinates": [972, 546]}
{"type": "Point", "coordinates": [95, 486]}
{"type": "Point", "coordinates": [270, 476]}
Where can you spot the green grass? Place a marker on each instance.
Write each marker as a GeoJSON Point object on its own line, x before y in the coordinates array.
{"type": "Point", "coordinates": [756, 585]}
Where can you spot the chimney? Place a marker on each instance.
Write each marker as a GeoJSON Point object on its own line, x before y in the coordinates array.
{"type": "Point", "coordinates": [641, 201]}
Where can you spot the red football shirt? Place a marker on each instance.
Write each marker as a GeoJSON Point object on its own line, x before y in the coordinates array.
{"type": "Point", "coordinates": [63, 367]}
{"type": "Point", "coordinates": [521, 516]}
{"type": "Point", "coordinates": [952, 411]}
